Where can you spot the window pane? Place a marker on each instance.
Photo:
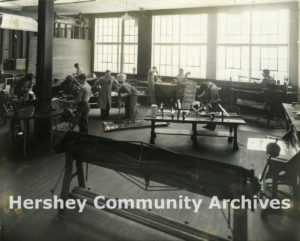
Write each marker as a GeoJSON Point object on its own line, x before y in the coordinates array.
{"type": "Point", "coordinates": [130, 58]}
{"type": "Point", "coordinates": [130, 46]}
{"type": "Point", "coordinates": [233, 63]}
{"type": "Point", "coordinates": [273, 58]}
{"type": "Point", "coordinates": [234, 27]}
{"type": "Point", "coordinates": [270, 27]}
{"type": "Point", "coordinates": [266, 48]}
{"type": "Point", "coordinates": [108, 33]}
{"type": "Point", "coordinates": [107, 44]}
{"type": "Point", "coordinates": [179, 41]}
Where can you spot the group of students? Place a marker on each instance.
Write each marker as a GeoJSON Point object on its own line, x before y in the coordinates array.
{"type": "Point", "coordinates": [104, 85]}
{"type": "Point", "coordinates": [209, 91]}
{"type": "Point", "coordinates": [207, 96]}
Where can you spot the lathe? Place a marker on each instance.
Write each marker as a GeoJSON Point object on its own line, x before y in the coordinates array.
{"type": "Point", "coordinates": [201, 176]}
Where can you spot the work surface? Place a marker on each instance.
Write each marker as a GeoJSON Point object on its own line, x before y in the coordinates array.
{"type": "Point", "coordinates": [232, 120]}
{"type": "Point", "coordinates": [293, 114]}
{"type": "Point", "coordinates": [192, 117]}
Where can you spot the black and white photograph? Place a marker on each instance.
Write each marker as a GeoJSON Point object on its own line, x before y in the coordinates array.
{"type": "Point", "coordinates": [145, 120]}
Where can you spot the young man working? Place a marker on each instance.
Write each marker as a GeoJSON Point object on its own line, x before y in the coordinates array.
{"type": "Point", "coordinates": [105, 85]}
{"type": "Point", "coordinates": [131, 100]}
{"type": "Point", "coordinates": [82, 102]}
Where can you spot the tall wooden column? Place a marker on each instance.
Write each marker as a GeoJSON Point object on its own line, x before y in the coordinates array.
{"type": "Point", "coordinates": [211, 46]}
{"type": "Point", "coordinates": [44, 64]}
{"type": "Point", "coordinates": [299, 51]}
{"type": "Point", "coordinates": [144, 45]}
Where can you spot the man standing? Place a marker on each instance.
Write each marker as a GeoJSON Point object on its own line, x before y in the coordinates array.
{"type": "Point", "coordinates": [78, 70]}
{"type": "Point", "coordinates": [82, 101]}
{"type": "Point", "coordinates": [153, 77]}
{"type": "Point", "coordinates": [105, 85]}
{"type": "Point", "coordinates": [267, 80]}
{"type": "Point", "coordinates": [181, 82]}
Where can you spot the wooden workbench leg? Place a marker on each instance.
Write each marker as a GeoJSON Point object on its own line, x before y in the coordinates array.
{"type": "Point", "coordinates": [24, 137]}
{"type": "Point", "coordinates": [67, 179]}
{"type": "Point", "coordinates": [235, 142]}
{"type": "Point", "coordinates": [11, 132]}
{"type": "Point", "coordinates": [230, 129]}
{"type": "Point", "coordinates": [240, 225]}
{"type": "Point", "coordinates": [80, 173]}
{"type": "Point", "coordinates": [153, 135]}
{"type": "Point", "coordinates": [51, 133]}
{"type": "Point", "coordinates": [194, 135]}
{"type": "Point", "coordinates": [287, 123]}
{"type": "Point", "coordinates": [230, 138]}
{"type": "Point", "coordinates": [275, 174]}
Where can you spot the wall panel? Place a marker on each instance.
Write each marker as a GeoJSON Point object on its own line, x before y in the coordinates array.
{"type": "Point", "coordinates": [66, 52]}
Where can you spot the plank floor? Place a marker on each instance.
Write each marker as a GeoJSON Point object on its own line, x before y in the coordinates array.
{"type": "Point", "coordinates": [35, 175]}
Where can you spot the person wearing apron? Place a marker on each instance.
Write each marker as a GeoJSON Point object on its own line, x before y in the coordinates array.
{"type": "Point", "coordinates": [105, 85]}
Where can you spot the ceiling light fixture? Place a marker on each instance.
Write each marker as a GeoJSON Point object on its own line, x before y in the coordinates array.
{"type": "Point", "coordinates": [126, 16]}
{"type": "Point", "coordinates": [235, 9]}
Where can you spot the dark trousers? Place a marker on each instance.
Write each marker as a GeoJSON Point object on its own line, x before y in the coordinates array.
{"type": "Point", "coordinates": [130, 107]}
{"type": "Point", "coordinates": [105, 112]}
{"type": "Point", "coordinates": [214, 108]}
{"type": "Point", "coordinates": [83, 111]}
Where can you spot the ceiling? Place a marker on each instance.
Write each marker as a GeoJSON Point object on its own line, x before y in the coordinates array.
{"type": "Point", "coordinates": [104, 6]}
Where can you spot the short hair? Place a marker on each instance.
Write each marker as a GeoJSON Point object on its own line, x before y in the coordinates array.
{"type": "Point", "coordinates": [266, 71]}
{"type": "Point", "coordinates": [82, 77]}
{"type": "Point", "coordinates": [107, 71]}
{"type": "Point", "coordinates": [76, 65]}
{"type": "Point", "coordinates": [29, 76]}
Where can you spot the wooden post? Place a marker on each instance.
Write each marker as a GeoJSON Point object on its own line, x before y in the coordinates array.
{"type": "Point", "coordinates": [122, 46]}
{"type": "Point", "coordinates": [240, 224]}
{"type": "Point", "coordinates": [235, 142]}
{"type": "Point", "coordinates": [80, 173]}
{"type": "Point", "coordinates": [67, 179]}
{"type": "Point", "coordinates": [44, 65]}
{"type": "Point", "coordinates": [153, 135]}
{"type": "Point", "coordinates": [298, 51]}
{"type": "Point", "coordinates": [194, 136]}
{"type": "Point", "coordinates": [144, 45]}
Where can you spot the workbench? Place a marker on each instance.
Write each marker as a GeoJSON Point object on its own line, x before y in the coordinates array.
{"type": "Point", "coordinates": [232, 121]}
{"type": "Point", "coordinates": [292, 112]}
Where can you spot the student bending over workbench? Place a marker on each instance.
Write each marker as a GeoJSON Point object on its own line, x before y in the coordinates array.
{"type": "Point", "coordinates": [131, 100]}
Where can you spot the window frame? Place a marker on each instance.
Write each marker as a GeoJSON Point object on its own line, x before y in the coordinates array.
{"type": "Point", "coordinates": [179, 44]}
{"type": "Point", "coordinates": [251, 44]}
{"type": "Point", "coordinates": [120, 40]}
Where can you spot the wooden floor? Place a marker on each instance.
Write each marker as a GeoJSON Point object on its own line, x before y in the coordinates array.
{"type": "Point", "coordinates": [35, 176]}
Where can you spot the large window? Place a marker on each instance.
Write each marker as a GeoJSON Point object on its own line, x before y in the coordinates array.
{"type": "Point", "coordinates": [179, 41]}
{"type": "Point", "coordinates": [108, 45]}
{"type": "Point", "coordinates": [249, 42]}
{"type": "Point", "coordinates": [130, 47]}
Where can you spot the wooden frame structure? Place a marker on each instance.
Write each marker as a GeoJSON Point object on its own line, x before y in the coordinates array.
{"type": "Point", "coordinates": [201, 176]}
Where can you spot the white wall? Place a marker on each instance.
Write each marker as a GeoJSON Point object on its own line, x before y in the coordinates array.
{"type": "Point", "coordinates": [66, 52]}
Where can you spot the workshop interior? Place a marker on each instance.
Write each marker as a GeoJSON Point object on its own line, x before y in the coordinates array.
{"type": "Point", "coordinates": [152, 100]}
